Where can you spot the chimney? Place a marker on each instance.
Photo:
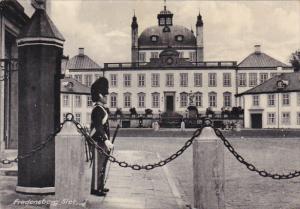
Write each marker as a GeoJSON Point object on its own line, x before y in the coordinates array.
{"type": "Point", "coordinates": [257, 49]}
{"type": "Point", "coordinates": [81, 51]}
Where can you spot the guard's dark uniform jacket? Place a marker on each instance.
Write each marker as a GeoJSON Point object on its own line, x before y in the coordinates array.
{"type": "Point", "coordinates": [100, 133]}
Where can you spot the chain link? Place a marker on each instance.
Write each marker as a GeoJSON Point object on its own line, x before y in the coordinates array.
{"type": "Point", "coordinates": [35, 149]}
{"type": "Point", "coordinates": [250, 166]}
{"type": "Point", "coordinates": [136, 166]}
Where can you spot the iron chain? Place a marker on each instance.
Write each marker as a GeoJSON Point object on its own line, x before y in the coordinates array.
{"type": "Point", "coordinates": [136, 166]}
{"type": "Point", "coordinates": [35, 149]}
{"type": "Point", "coordinates": [250, 166]}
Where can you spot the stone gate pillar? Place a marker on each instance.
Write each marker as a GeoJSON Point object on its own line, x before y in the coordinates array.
{"type": "Point", "coordinates": [40, 47]}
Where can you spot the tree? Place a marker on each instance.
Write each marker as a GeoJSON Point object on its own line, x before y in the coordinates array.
{"type": "Point", "coordinates": [295, 60]}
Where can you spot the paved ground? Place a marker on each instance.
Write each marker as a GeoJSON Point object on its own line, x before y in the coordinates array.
{"type": "Point", "coordinates": [171, 187]}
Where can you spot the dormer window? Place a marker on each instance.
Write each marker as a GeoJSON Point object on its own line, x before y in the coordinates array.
{"type": "Point", "coordinates": [154, 38]}
{"type": "Point", "coordinates": [179, 38]}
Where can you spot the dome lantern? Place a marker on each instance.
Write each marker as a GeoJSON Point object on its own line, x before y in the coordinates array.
{"type": "Point", "coordinates": [165, 17]}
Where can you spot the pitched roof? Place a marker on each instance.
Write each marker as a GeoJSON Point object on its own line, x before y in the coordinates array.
{"type": "Point", "coordinates": [40, 25]}
{"type": "Point", "coordinates": [260, 60]}
{"type": "Point", "coordinates": [270, 86]}
{"type": "Point", "coordinates": [82, 62]}
{"type": "Point", "coordinates": [72, 86]}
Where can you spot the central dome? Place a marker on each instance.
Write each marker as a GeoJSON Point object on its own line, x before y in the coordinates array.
{"type": "Point", "coordinates": [179, 36]}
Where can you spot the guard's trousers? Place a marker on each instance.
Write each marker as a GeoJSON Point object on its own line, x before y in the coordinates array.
{"type": "Point", "coordinates": [99, 167]}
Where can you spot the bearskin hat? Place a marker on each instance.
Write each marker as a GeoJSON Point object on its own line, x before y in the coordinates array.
{"type": "Point", "coordinates": [100, 86]}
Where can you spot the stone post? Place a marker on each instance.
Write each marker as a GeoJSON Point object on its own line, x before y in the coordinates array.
{"type": "Point", "coordinates": [209, 175]}
{"type": "Point", "coordinates": [40, 49]}
{"type": "Point", "coordinates": [71, 182]}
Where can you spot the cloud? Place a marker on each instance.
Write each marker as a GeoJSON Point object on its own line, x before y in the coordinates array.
{"type": "Point", "coordinates": [231, 28]}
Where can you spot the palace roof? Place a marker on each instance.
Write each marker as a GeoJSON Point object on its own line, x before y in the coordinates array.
{"type": "Point", "coordinates": [291, 83]}
{"type": "Point", "coordinates": [260, 60]}
{"type": "Point", "coordinates": [72, 86]}
{"type": "Point", "coordinates": [167, 39]}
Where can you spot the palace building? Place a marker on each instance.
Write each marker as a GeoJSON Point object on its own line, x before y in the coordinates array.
{"type": "Point", "coordinates": [168, 72]}
{"type": "Point", "coordinates": [274, 103]}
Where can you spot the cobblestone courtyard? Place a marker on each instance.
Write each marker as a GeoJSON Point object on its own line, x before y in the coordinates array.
{"type": "Point", "coordinates": [157, 189]}
{"type": "Point", "coordinates": [243, 189]}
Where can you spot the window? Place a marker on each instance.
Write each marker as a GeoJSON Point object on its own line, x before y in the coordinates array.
{"type": "Point", "coordinates": [169, 80]}
{"type": "Point", "coordinates": [66, 100]}
{"type": "Point", "coordinates": [127, 100]}
{"type": "Point", "coordinates": [227, 99]}
{"type": "Point", "coordinates": [179, 38]}
{"type": "Point", "coordinates": [263, 77]}
{"type": "Point", "coordinates": [212, 79]}
{"type": "Point", "coordinates": [127, 80]}
{"type": "Point", "coordinates": [154, 54]}
{"type": "Point", "coordinates": [273, 74]}
{"type": "Point", "coordinates": [298, 98]}
{"type": "Point", "coordinates": [154, 38]}
{"type": "Point", "coordinates": [155, 80]}
{"type": "Point", "coordinates": [271, 118]}
{"type": "Point", "coordinates": [113, 80]}
{"type": "Point", "coordinates": [141, 80]}
{"type": "Point", "coordinates": [298, 118]}
{"type": "Point", "coordinates": [285, 99]}
{"type": "Point", "coordinates": [252, 79]}
{"type": "Point", "coordinates": [142, 57]}
{"type": "Point", "coordinates": [113, 100]}
{"type": "Point", "coordinates": [192, 56]}
{"type": "Point", "coordinates": [89, 101]}
{"type": "Point", "coordinates": [183, 99]}
{"type": "Point", "coordinates": [285, 118]}
{"type": "Point", "coordinates": [97, 76]}
{"type": "Point", "coordinates": [88, 80]}
{"type": "Point", "coordinates": [181, 54]}
{"type": "Point", "coordinates": [78, 78]}
{"type": "Point", "coordinates": [162, 21]}
{"type": "Point", "coordinates": [78, 117]}
{"type": "Point", "coordinates": [212, 99]}
{"type": "Point", "coordinates": [255, 100]}
{"type": "Point", "coordinates": [155, 100]}
{"type": "Point", "coordinates": [88, 118]}
{"type": "Point", "coordinates": [141, 100]}
{"type": "Point", "coordinates": [242, 79]}
{"type": "Point", "coordinates": [183, 79]}
{"type": "Point", "coordinates": [169, 21]}
{"type": "Point", "coordinates": [226, 79]}
{"type": "Point", "coordinates": [198, 79]}
{"type": "Point", "coordinates": [271, 100]}
{"type": "Point", "coordinates": [77, 101]}
{"type": "Point", "coordinates": [198, 99]}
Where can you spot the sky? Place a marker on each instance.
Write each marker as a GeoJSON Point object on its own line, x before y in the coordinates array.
{"type": "Point", "coordinates": [231, 28]}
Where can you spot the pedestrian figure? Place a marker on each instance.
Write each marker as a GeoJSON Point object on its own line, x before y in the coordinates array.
{"type": "Point", "coordinates": [100, 133]}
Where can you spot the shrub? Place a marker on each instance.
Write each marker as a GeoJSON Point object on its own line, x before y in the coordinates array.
{"type": "Point", "coordinates": [148, 112]}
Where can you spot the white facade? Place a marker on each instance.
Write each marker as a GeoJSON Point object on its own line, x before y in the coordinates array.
{"type": "Point", "coordinates": [79, 105]}
{"type": "Point", "coordinates": [249, 78]}
{"type": "Point", "coordinates": [209, 89]}
{"type": "Point", "coordinates": [283, 112]}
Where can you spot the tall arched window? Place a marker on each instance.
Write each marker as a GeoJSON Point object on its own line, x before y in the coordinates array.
{"type": "Point", "coordinates": [212, 99]}
{"type": "Point", "coordinates": [113, 100]}
{"type": "Point", "coordinates": [183, 99]}
{"type": "Point", "coordinates": [141, 99]}
{"type": "Point", "coordinates": [198, 99]}
{"type": "Point", "coordinates": [127, 100]}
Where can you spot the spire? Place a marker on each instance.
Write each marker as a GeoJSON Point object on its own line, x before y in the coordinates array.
{"type": "Point", "coordinates": [199, 21]}
{"type": "Point", "coordinates": [134, 23]}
